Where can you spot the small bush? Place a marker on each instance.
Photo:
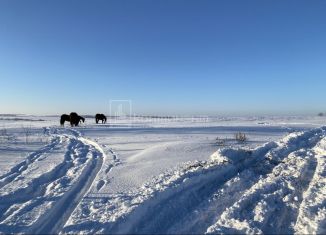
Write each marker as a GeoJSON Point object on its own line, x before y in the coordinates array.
{"type": "Point", "coordinates": [240, 137]}
{"type": "Point", "coordinates": [3, 132]}
{"type": "Point", "coordinates": [27, 130]}
{"type": "Point", "coordinates": [4, 135]}
{"type": "Point", "coordinates": [220, 142]}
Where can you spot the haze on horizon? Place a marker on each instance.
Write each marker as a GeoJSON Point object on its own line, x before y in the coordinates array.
{"type": "Point", "coordinates": [167, 57]}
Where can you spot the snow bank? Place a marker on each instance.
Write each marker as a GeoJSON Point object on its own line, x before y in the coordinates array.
{"type": "Point", "coordinates": [257, 190]}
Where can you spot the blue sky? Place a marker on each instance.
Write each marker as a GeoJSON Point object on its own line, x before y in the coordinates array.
{"type": "Point", "coordinates": [169, 57]}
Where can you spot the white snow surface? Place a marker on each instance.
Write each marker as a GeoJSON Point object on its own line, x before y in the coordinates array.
{"type": "Point", "coordinates": [141, 175]}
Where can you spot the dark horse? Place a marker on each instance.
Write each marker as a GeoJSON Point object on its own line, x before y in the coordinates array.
{"type": "Point", "coordinates": [100, 116]}
{"type": "Point", "coordinates": [64, 118]}
{"type": "Point", "coordinates": [73, 118]}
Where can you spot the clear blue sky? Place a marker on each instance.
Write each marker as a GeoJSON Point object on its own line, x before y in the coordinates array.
{"type": "Point", "coordinates": [169, 57]}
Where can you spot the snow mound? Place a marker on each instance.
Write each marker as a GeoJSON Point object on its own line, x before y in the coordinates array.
{"type": "Point", "coordinates": [276, 188]}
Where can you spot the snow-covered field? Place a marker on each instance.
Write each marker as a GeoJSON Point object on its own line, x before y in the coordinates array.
{"type": "Point", "coordinates": [163, 175]}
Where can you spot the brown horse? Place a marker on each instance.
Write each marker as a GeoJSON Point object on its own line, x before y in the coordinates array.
{"type": "Point", "coordinates": [100, 116]}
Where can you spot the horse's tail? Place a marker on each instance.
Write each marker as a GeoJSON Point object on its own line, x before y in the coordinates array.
{"type": "Point", "coordinates": [62, 121]}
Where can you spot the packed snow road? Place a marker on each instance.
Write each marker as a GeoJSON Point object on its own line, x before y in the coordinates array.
{"type": "Point", "coordinates": [145, 180]}
{"type": "Point", "coordinates": [39, 194]}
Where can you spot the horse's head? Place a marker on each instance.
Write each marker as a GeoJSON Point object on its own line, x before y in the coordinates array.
{"type": "Point", "coordinates": [83, 119]}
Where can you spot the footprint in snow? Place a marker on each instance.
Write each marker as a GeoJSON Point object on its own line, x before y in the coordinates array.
{"type": "Point", "coordinates": [100, 185]}
{"type": "Point", "coordinates": [108, 169]}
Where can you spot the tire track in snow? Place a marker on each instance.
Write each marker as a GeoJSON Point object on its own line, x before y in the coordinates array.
{"type": "Point", "coordinates": [312, 212]}
{"type": "Point", "coordinates": [234, 189]}
{"type": "Point", "coordinates": [270, 205]}
{"type": "Point", "coordinates": [31, 158]}
{"type": "Point", "coordinates": [165, 212]}
{"type": "Point", "coordinates": [59, 188]}
{"type": "Point", "coordinates": [167, 208]}
{"type": "Point", "coordinates": [66, 205]}
{"type": "Point", "coordinates": [281, 219]}
{"type": "Point", "coordinates": [37, 186]}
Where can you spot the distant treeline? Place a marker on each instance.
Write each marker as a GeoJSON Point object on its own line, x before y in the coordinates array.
{"type": "Point", "coordinates": [8, 115]}
{"type": "Point", "coordinates": [22, 119]}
